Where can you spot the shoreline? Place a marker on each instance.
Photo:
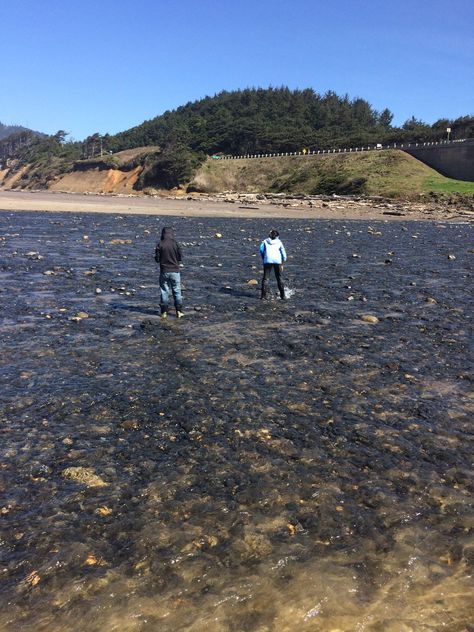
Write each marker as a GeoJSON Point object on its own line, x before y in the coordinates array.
{"type": "Point", "coordinates": [243, 207]}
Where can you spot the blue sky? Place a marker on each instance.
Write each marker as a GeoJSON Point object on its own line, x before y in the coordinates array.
{"type": "Point", "coordinates": [103, 66]}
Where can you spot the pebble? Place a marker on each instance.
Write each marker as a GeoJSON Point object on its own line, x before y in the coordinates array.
{"type": "Point", "coordinates": [369, 318]}
{"type": "Point", "coordinates": [252, 282]}
{"type": "Point", "coordinates": [84, 475]}
{"type": "Point", "coordinates": [130, 424]}
{"type": "Point", "coordinates": [79, 316]}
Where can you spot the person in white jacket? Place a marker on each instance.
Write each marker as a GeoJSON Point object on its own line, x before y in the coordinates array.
{"type": "Point", "coordinates": [273, 256]}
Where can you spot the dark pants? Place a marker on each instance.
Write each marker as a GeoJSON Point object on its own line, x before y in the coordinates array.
{"type": "Point", "coordinates": [267, 268]}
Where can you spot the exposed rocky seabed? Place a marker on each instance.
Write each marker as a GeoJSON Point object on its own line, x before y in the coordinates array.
{"type": "Point", "coordinates": [266, 466]}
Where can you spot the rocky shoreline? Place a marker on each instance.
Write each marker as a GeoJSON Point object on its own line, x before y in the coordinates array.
{"type": "Point", "coordinates": [278, 205]}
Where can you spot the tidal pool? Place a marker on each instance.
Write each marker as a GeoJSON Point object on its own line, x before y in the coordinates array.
{"type": "Point", "coordinates": [256, 466]}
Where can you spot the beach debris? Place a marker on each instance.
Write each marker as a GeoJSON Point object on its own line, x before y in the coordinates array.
{"type": "Point", "coordinates": [252, 282]}
{"type": "Point", "coordinates": [218, 235]}
{"type": "Point", "coordinates": [451, 257]}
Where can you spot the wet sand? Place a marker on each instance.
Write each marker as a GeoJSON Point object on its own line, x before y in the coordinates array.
{"type": "Point", "coordinates": [199, 207]}
{"type": "Point", "coordinates": [262, 466]}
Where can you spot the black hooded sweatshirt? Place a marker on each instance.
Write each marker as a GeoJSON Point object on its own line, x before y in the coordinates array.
{"type": "Point", "coordinates": [168, 252]}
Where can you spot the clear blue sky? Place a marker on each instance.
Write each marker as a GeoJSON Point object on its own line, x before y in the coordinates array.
{"type": "Point", "coordinates": [103, 66]}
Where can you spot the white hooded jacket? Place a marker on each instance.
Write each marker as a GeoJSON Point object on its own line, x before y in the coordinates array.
{"type": "Point", "coordinates": [272, 251]}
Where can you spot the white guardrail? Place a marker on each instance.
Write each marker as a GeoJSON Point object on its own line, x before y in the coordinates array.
{"type": "Point", "coordinates": [316, 152]}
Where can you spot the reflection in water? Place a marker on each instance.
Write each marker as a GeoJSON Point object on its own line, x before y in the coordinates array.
{"type": "Point", "coordinates": [270, 466]}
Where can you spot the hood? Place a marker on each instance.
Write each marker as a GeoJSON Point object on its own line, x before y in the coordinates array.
{"type": "Point", "coordinates": [271, 241]}
{"type": "Point", "coordinates": [167, 233]}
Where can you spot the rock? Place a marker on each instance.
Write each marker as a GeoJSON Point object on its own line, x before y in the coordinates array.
{"type": "Point", "coordinates": [451, 257]}
{"type": "Point", "coordinates": [120, 242]}
{"type": "Point", "coordinates": [252, 282]}
{"type": "Point", "coordinates": [130, 424]}
{"type": "Point", "coordinates": [84, 475]}
{"type": "Point", "coordinates": [218, 235]}
{"type": "Point", "coordinates": [103, 511]}
{"type": "Point", "coordinates": [98, 290]}
{"type": "Point", "coordinates": [430, 300]}
{"type": "Point", "coordinates": [79, 316]}
{"type": "Point", "coordinates": [33, 578]}
{"type": "Point", "coordinates": [369, 318]}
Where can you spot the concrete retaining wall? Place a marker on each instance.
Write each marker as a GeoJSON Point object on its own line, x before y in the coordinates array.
{"type": "Point", "coordinates": [453, 160]}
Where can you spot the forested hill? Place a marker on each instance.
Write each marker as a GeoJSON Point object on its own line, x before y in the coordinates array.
{"type": "Point", "coordinates": [279, 120]}
{"type": "Point", "coordinates": [8, 130]}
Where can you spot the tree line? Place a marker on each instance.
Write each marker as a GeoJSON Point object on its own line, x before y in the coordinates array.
{"type": "Point", "coordinates": [277, 120]}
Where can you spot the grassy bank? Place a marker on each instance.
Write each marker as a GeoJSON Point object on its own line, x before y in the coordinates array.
{"type": "Point", "coordinates": [389, 173]}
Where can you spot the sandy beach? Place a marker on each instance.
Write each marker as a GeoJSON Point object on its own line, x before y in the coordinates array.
{"type": "Point", "coordinates": [220, 206]}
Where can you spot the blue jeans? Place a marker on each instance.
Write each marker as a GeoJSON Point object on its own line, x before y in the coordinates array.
{"type": "Point", "coordinates": [170, 282]}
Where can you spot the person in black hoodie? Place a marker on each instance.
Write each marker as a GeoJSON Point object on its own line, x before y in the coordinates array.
{"type": "Point", "coordinates": [168, 255]}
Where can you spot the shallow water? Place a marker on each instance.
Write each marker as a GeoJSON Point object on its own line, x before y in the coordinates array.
{"type": "Point", "coordinates": [269, 466]}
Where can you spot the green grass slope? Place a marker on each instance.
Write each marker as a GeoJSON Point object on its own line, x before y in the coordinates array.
{"type": "Point", "coordinates": [389, 173]}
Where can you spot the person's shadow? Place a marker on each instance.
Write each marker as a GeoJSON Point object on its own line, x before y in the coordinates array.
{"type": "Point", "coordinates": [239, 293]}
{"type": "Point", "coordinates": [138, 309]}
